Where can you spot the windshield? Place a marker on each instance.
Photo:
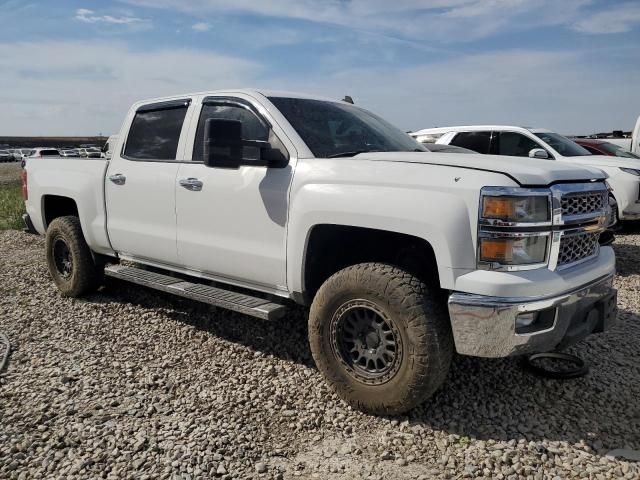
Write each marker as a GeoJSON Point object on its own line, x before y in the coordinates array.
{"type": "Point", "coordinates": [562, 145]}
{"type": "Point", "coordinates": [617, 150]}
{"type": "Point", "coordinates": [332, 129]}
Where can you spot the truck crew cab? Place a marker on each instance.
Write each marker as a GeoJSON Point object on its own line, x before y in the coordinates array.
{"type": "Point", "coordinates": [252, 200]}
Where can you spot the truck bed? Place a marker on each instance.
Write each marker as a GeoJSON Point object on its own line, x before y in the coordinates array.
{"type": "Point", "coordinates": [81, 179]}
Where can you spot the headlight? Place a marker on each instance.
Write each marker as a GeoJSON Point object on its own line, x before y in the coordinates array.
{"type": "Point", "coordinates": [506, 217]}
{"type": "Point", "coordinates": [514, 205]}
{"type": "Point", "coordinates": [632, 171]}
{"type": "Point", "coordinates": [513, 250]}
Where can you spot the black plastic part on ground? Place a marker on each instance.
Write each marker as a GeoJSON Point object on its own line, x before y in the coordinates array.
{"type": "Point", "coordinates": [580, 369]}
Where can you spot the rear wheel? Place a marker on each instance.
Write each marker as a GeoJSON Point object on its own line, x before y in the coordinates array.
{"type": "Point", "coordinates": [380, 337]}
{"type": "Point", "coordinates": [69, 258]}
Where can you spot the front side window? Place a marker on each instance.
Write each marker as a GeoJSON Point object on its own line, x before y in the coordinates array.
{"type": "Point", "coordinates": [252, 127]}
{"type": "Point", "coordinates": [49, 153]}
{"type": "Point", "coordinates": [154, 134]}
{"type": "Point", "coordinates": [515, 144]}
{"type": "Point", "coordinates": [562, 145]}
{"type": "Point", "coordinates": [333, 129]}
{"type": "Point", "coordinates": [476, 141]}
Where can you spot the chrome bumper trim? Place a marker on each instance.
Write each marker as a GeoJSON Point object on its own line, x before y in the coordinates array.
{"type": "Point", "coordinates": [485, 326]}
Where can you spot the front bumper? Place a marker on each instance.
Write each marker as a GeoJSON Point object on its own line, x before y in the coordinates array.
{"type": "Point", "coordinates": [485, 326]}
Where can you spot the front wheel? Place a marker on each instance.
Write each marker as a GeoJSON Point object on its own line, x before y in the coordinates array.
{"type": "Point", "coordinates": [69, 258]}
{"type": "Point", "coordinates": [380, 337]}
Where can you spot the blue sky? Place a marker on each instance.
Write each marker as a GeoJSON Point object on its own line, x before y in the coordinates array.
{"type": "Point", "coordinates": [74, 67]}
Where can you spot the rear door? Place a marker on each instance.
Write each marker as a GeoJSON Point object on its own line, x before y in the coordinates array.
{"type": "Point", "coordinates": [140, 183]}
{"type": "Point", "coordinates": [479, 142]}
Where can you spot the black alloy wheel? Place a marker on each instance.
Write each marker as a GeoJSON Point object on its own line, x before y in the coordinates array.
{"type": "Point", "coordinates": [366, 341]}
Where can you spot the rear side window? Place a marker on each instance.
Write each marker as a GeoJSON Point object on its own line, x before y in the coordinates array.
{"type": "Point", "coordinates": [49, 153]}
{"type": "Point", "coordinates": [252, 127]}
{"type": "Point", "coordinates": [515, 144]}
{"type": "Point", "coordinates": [155, 133]}
{"type": "Point", "coordinates": [476, 141]}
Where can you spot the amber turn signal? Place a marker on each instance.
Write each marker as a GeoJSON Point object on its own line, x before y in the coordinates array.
{"type": "Point", "coordinates": [498, 207]}
{"type": "Point", "coordinates": [496, 250]}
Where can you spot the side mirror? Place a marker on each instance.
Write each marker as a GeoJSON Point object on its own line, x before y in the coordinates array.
{"type": "Point", "coordinates": [538, 153]}
{"type": "Point", "coordinates": [222, 143]}
{"type": "Point", "coordinates": [225, 148]}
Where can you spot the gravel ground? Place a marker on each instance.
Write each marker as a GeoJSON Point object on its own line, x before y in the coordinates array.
{"type": "Point", "coordinates": [128, 383]}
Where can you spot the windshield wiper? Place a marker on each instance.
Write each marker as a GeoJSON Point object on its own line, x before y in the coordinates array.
{"type": "Point", "coordinates": [352, 153]}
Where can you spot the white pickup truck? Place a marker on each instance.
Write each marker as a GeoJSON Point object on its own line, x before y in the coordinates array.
{"type": "Point", "coordinates": [253, 200]}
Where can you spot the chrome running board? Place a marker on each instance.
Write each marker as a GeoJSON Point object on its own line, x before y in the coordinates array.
{"type": "Point", "coordinates": [219, 297]}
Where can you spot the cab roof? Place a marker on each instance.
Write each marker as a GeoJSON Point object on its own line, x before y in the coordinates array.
{"type": "Point", "coordinates": [253, 92]}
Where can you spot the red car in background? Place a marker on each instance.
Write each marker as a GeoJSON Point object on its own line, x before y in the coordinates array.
{"type": "Point", "coordinates": [601, 147]}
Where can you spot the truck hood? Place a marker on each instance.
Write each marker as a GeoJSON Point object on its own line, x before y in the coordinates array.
{"type": "Point", "coordinates": [525, 171]}
{"type": "Point", "coordinates": [604, 161]}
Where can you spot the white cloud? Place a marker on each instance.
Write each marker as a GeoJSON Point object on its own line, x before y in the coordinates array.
{"type": "Point", "coordinates": [67, 88]}
{"type": "Point", "coordinates": [201, 27]}
{"type": "Point", "coordinates": [450, 21]}
{"type": "Point", "coordinates": [564, 91]}
{"type": "Point", "coordinates": [75, 88]}
{"type": "Point", "coordinates": [616, 19]}
{"type": "Point", "coordinates": [89, 16]}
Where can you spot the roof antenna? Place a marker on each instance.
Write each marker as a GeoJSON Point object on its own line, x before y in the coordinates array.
{"type": "Point", "coordinates": [348, 99]}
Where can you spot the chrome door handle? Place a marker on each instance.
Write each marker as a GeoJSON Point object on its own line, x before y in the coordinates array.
{"type": "Point", "coordinates": [118, 179]}
{"type": "Point", "coordinates": [191, 183]}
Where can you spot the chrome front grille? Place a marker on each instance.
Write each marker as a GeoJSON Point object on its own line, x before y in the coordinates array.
{"type": "Point", "coordinates": [583, 203]}
{"type": "Point", "coordinates": [577, 247]}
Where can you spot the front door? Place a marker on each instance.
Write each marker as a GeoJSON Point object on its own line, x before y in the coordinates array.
{"type": "Point", "coordinates": [232, 222]}
{"type": "Point", "coordinates": [140, 184]}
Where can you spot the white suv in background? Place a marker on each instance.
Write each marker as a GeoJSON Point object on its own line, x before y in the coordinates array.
{"type": "Point", "coordinates": [624, 173]}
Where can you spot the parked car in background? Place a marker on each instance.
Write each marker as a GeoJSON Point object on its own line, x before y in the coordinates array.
{"type": "Point", "coordinates": [630, 143]}
{"type": "Point", "coordinates": [597, 146]}
{"type": "Point", "coordinates": [6, 156]}
{"type": "Point", "coordinates": [538, 143]}
{"type": "Point", "coordinates": [43, 152]}
{"type": "Point", "coordinates": [438, 147]}
{"type": "Point", "coordinates": [69, 153]}
{"type": "Point", "coordinates": [403, 256]}
{"type": "Point", "coordinates": [109, 146]}
{"type": "Point", "coordinates": [91, 152]}
{"type": "Point", "coordinates": [20, 153]}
